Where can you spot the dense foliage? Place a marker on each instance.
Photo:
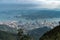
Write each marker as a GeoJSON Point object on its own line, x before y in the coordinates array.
{"type": "Point", "coordinates": [7, 36]}
{"type": "Point", "coordinates": [11, 36]}
{"type": "Point", "coordinates": [22, 36]}
{"type": "Point", "coordinates": [53, 34]}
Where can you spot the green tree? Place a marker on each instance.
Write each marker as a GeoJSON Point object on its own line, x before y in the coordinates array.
{"type": "Point", "coordinates": [22, 36]}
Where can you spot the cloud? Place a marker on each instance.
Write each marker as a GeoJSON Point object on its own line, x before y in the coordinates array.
{"type": "Point", "coordinates": [50, 4]}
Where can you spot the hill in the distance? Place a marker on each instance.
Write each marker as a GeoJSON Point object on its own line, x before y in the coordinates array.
{"type": "Point", "coordinates": [7, 28]}
{"type": "Point", "coordinates": [36, 33]}
{"type": "Point", "coordinates": [53, 34]}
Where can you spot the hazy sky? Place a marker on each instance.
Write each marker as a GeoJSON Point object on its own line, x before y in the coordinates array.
{"type": "Point", "coordinates": [51, 4]}
{"type": "Point", "coordinates": [26, 1]}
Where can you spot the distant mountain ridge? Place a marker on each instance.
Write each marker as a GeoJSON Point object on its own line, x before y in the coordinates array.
{"type": "Point", "coordinates": [38, 14]}
{"type": "Point", "coordinates": [29, 13]}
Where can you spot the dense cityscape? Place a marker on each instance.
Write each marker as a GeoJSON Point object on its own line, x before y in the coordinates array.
{"type": "Point", "coordinates": [32, 24]}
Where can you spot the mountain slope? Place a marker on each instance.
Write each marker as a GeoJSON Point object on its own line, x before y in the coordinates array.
{"type": "Point", "coordinates": [36, 33]}
{"type": "Point", "coordinates": [7, 28]}
{"type": "Point", "coordinates": [7, 33]}
{"type": "Point", "coordinates": [7, 36]}
{"type": "Point", "coordinates": [53, 34]}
